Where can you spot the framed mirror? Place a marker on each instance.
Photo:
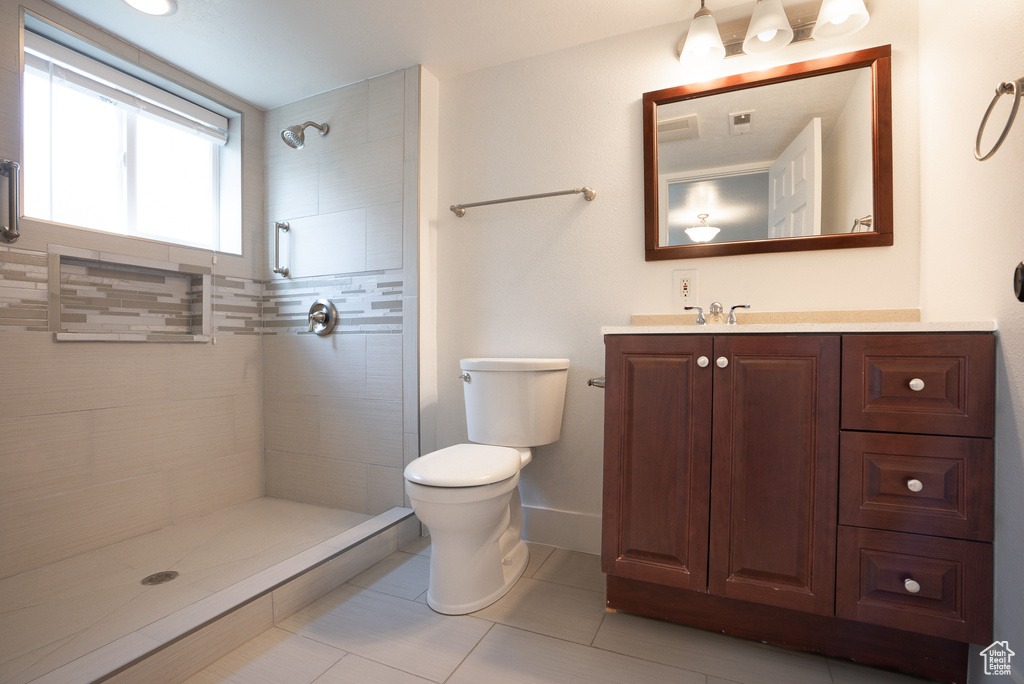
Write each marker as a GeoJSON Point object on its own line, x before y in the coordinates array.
{"type": "Point", "coordinates": [793, 158]}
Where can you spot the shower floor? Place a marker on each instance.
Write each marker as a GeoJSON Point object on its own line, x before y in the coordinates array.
{"type": "Point", "coordinates": [56, 614]}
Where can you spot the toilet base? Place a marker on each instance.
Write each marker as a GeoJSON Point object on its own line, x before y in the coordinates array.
{"type": "Point", "coordinates": [512, 567]}
{"type": "Point", "coordinates": [476, 548]}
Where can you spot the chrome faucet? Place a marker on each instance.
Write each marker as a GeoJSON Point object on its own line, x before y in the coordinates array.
{"type": "Point", "coordinates": [732, 313]}
{"type": "Point", "coordinates": [716, 314]}
{"type": "Point", "coordinates": [700, 314]}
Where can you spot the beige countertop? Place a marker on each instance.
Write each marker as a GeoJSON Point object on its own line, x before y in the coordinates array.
{"type": "Point", "coordinates": [867, 321]}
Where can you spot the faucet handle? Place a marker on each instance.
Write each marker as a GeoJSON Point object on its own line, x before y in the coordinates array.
{"type": "Point", "coordinates": [732, 313]}
{"type": "Point", "coordinates": [700, 314]}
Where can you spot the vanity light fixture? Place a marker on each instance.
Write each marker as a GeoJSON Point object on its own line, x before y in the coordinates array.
{"type": "Point", "coordinates": [703, 42]}
{"type": "Point", "coordinates": [839, 18]}
{"type": "Point", "coordinates": [155, 7]}
{"type": "Point", "coordinates": [702, 232]}
{"type": "Point", "coordinates": [769, 28]}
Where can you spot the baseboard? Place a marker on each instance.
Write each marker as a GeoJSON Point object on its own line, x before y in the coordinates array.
{"type": "Point", "coordinates": [564, 529]}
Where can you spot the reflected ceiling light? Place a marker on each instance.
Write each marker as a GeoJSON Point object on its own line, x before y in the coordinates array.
{"type": "Point", "coordinates": [769, 28]}
{"type": "Point", "coordinates": [703, 42]}
{"type": "Point", "coordinates": [156, 7]}
{"type": "Point", "coordinates": [702, 232]}
{"type": "Point", "coordinates": [838, 18]}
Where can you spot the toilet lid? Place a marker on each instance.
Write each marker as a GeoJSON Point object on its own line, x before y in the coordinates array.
{"type": "Point", "coordinates": [465, 465]}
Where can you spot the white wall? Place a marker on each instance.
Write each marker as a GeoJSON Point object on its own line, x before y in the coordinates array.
{"type": "Point", "coordinates": [972, 236]}
{"type": "Point", "coordinates": [540, 278]}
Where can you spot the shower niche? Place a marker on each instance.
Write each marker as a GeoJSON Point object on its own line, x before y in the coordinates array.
{"type": "Point", "coordinates": [99, 297]}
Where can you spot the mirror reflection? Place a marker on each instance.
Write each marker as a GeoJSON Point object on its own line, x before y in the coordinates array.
{"type": "Point", "coordinates": [795, 159]}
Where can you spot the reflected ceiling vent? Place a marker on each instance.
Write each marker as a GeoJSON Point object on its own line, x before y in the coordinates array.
{"type": "Point", "coordinates": [741, 123]}
{"type": "Point", "coordinates": [679, 128]}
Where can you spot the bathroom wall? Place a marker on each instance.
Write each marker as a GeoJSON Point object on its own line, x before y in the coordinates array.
{"type": "Point", "coordinates": [540, 278]}
{"type": "Point", "coordinates": [103, 441]}
{"type": "Point", "coordinates": [972, 238]}
{"type": "Point", "coordinates": [340, 411]}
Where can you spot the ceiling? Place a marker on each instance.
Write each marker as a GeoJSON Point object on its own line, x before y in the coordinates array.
{"type": "Point", "coordinates": [272, 52]}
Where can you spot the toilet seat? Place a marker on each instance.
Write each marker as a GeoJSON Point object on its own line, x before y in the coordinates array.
{"type": "Point", "coordinates": [465, 465]}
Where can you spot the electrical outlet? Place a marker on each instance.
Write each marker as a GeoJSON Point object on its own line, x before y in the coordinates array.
{"type": "Point", "coordinates": [684, 288]}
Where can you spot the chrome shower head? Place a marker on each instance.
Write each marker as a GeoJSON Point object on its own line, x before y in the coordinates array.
{"type": "Point", "coordinates": [294, 137]}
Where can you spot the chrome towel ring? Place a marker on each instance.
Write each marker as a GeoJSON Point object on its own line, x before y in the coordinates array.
{"type": "Point", "coordinates": [1004, 88]}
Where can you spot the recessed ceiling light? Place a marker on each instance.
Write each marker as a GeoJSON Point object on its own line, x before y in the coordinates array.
{"type": "Point", "coordinates": [157, 7]}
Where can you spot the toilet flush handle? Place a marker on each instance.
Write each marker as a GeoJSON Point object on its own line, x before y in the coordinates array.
{"type": "Point", "coordinates": [465, 377]}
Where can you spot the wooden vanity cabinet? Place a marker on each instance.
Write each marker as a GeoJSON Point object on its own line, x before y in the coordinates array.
{"type": "Point", "coordinates": [716, 447]}
{"type": "Point", "coordinates": [786, 487]}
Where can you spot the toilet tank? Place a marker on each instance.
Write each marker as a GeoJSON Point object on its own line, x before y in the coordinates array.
{"type": "Point", "coordinates": [514, 402]}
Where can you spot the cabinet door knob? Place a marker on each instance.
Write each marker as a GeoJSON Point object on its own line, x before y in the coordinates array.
{"type": "Point", "coordinates": [917, 384]}
{"type": "Point", "coordinates": [722, 362]}
{"type": "Point", "coordinates": [915, 485]}
{"type": "Point", "coordinates": [911, 586]}
{"type": "Point", "coordinates": [703, 362]}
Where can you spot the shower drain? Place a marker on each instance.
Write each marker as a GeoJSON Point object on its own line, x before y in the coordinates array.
{"type": "Point", "coordinates": [159, 577]}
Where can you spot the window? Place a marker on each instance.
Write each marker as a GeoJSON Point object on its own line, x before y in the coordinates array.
{"type": "Point", "coordinates": [107, 151]}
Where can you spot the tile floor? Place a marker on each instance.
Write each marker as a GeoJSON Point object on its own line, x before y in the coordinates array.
{"type": "Point", "coordinates": [65, 610]}
{"type": "Point", "coordinates": [551, 627]}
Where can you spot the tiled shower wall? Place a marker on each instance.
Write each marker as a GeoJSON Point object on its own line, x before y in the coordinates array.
{"type": "Point", "coordinates": [337, 427]}
{"type": "Point", "coordinates": [101, 441]}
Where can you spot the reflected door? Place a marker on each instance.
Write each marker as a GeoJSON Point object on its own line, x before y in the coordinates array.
{"type": "Point", "coordinates": [794, 182]}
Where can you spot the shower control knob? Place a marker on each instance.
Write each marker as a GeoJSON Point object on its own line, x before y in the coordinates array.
{"type": "Point", "coordinates": [322, 317]}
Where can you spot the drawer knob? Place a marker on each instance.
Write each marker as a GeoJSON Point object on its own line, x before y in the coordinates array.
{"type": "Point", "coordinates": [911, 586]}
{"type": "Point", "coordinates": [915, 485]}
{"type": "Point", "coordinates": [917, 384]}
{"type": "Point", "coordinates": [722, 362]}
{"type": "Point", "coordinates": [703, 362]}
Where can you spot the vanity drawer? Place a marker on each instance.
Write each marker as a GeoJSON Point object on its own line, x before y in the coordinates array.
{"type": "Point", "coordinates": [917, 483]}
{"type": "Point", "coordinates": [952, 597]}
{"type": "Point", "coordinates": [936, 384]}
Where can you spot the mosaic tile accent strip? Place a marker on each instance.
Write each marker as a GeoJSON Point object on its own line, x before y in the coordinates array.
{"type": "Point", "coordinates": [237, 305]}
{"type": "Point", "coordinates": [23, 289]}
{"type": "Point", "coordinates": [105, 297]}
{"type": "Point", "coordinates": [367, 302]}
{"type": "Point", "coordinates": [102, 300]}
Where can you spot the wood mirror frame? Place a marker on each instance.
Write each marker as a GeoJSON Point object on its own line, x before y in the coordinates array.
{"type": "Point", "coordinates": [878, 59]}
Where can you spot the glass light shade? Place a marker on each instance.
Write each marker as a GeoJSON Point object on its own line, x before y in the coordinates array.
{"type": "Point", "coordinates": [155, 7]}
{"type": "Point", "coordinates": [702, 232]}
{"type": "Point", "coordinates": [769, 28]}
{"type": "Point", "coordinates": [838, 18]}
{"type": "Point", "coordinates": [703, 41]}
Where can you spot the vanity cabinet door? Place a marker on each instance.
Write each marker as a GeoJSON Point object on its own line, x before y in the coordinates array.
{"type": "Point", "coordinates": [657, 459]}
{"type": "Point", "coordinates": [775, 471]}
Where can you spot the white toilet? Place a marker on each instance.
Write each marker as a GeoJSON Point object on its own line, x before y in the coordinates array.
{"type": "Point", "coordinates": [468, 496]}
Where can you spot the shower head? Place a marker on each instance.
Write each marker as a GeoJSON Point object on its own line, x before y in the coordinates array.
{"type": "Point", "coordinates": [293, 135]}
